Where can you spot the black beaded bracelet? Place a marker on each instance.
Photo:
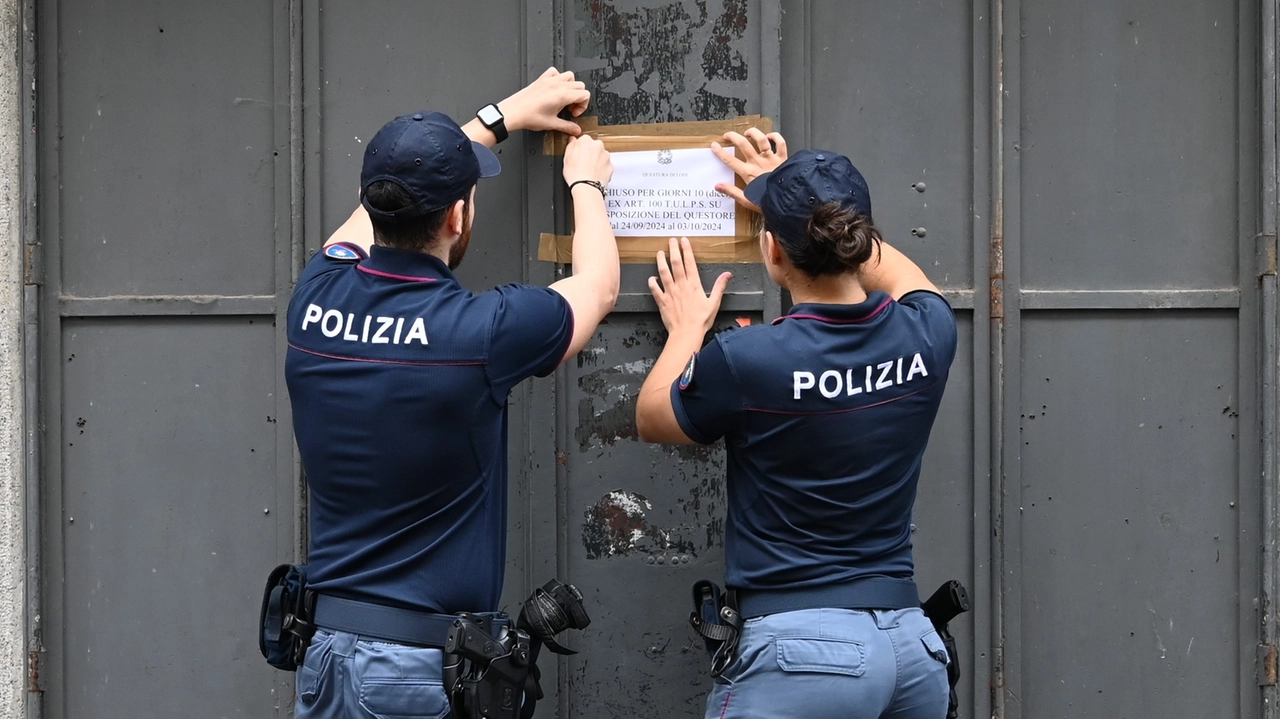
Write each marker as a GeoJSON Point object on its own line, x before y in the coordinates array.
{"type": "Point", "coordinates": [594, 183]}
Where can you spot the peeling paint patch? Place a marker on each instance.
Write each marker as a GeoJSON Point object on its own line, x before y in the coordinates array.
{"type": "Point", "coordinates": [615, 389]}
{"type": "Point", "coordinates": [661, 61]}
{"type": "Point", "coordinates": [616, 525]}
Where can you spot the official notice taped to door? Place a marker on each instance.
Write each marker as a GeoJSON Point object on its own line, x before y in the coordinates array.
{"type": "Point", "coordinates": [669, 193]}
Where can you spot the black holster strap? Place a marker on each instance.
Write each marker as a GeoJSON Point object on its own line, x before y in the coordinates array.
{"type": "Point", "coordinates": [383, 623]}
{"type": "Point", "coordinates": [714, 632]}
{"type": "Point", "coordinates": [862, 593]}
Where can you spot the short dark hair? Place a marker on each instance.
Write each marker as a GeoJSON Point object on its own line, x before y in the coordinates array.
{"type": "Point", "coordinates": [837, 239]}
{"type": "Point", "coordinates": [417, 233]}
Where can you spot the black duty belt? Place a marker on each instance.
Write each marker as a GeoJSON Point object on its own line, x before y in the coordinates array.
{"type": "Point", "coordinates": [383, 623]}
{"type": "Point", "coordinates": [861, 593]}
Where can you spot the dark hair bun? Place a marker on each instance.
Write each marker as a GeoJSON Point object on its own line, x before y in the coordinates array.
{"type": "Point", "coordinates": [839, 239]}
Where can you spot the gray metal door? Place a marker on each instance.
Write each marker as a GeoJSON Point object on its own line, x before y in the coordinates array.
{"type": "Point", "coordinates": [1083, 180]}
{"type": "Point", "coordinates": [164, 218]}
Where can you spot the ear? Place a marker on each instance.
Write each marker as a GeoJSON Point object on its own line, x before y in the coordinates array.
{"type": "Point", "coordinates": [772, 249]}
{"type": "Point", "coordinates": [457, 218]}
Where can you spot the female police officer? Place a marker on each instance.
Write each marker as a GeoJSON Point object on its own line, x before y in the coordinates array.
{"type": "Point", "coordinates": [825, 414]}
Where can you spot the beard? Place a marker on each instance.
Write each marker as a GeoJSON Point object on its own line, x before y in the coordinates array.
{"type": "Point", "coordinates": [459, 249]}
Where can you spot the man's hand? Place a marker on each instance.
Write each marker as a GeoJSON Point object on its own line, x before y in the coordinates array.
{"type": "Point", "coordinates": [758, 157]}
{"type": "Point", "coordinates": [538, 106]}
{"type": "Point", "coordinates": [685, 306]}
{"type": "Point", "coordinates": [586, 159]}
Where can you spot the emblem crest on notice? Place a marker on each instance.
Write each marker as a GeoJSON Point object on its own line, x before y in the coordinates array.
{"type": "Point", "coordinates": [664, 157]}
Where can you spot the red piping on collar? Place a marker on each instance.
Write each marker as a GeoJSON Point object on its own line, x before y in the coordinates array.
{"type": "Point", "coordinates": [834, 321]}
{"type": "Point", "coordinates": [388, 275]}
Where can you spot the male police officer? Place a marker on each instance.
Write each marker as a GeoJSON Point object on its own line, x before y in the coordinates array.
{"type": "Point", "coordinates": [399, 380]}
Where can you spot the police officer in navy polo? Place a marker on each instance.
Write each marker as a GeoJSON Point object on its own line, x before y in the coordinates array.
{"type": "Point", "coordinates": [399, 380]}
{"type": "Point", "coordinates": [825, 414]}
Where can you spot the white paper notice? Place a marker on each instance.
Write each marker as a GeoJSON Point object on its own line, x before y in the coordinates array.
{"type": "Point", "coordinates": [659, 193]}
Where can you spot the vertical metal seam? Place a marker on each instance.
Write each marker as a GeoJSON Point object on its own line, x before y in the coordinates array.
{"type": "Point", "coordinates": [44, 170]}
{"type": "Point", "coordinates": [297, 200]}
{"type": "Point", "coordinates": [296, 196]}
{"type": "Point", "coordinates": [1269, 367]}
{"type": "Point", "coordinates": [808, 73]}
{"type": "Point", "coordinates": [526, 392]}
{"type": "Point", "coordinates": [996, 271]}
{"type": "Point", "coordinates": [771, 107]}
{"type": "Point", "coordinates": [561, 400]}
{"type": "Point", "coordinates": [33, 529]}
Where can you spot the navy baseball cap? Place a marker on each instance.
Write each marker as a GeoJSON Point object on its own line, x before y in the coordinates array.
{"type": "Point", "coordinates": [807, 180]}
{"type": "Point", "coordinates": [428, 155]}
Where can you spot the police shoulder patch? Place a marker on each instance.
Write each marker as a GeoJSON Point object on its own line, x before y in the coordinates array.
{"type": "Point", "coordinates": [340, 252]}
{"type": "Point", "coordinates": [686, 379]}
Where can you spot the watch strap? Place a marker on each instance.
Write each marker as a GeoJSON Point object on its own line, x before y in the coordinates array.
{"type": "Point", "coordinates": [499, 126]}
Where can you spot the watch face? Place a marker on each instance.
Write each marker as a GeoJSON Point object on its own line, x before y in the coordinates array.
{"type": "Point", "coordinates": [489, 115]}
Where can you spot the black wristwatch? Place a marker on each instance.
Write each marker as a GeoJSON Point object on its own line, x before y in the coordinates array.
{"type": "Point", "coordinates": [492, 118]}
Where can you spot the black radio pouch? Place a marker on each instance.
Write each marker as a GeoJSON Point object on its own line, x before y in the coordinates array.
{"type": "Point", "coordinates": [285, 626]}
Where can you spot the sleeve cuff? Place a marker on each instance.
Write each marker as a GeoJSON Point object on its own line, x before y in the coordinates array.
{"type": "Point", "coordinates": [930, 293]}
{"type": "Point", "coordinates": [682, 417]}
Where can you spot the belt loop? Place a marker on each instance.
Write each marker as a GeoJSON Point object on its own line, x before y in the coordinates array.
{"type": "Point", "coordinates": [343, 643]}
{"type": "Point", "coordinates": [887, 618]}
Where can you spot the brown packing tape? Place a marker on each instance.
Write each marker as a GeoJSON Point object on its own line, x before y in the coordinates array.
{"type": "Point", "coordinates": [555, 248]}
{"type": "Point", "coordinates": [553, 143]}
{"type": "Point", "coordinates": [644, 250]}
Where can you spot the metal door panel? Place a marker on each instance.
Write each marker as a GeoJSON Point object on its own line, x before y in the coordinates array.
{"type": "Point", "coordinates": [165, 244]}
{"type": "Point", "coordinates": [168, 434]}
{"type": "Point", "coordinates": [383, 59]}
{"type": "Point", "coordinates": [1128, 144]}
{"type": "Point", "coordinates": [167, 121]}
{"type": "Point", "coordinates": [890, 86]}
{"type": "Point", "coordinates": [1131, 543]}
{"type": "Point", "coordinates": [942, 526]}
{"type": "Point", "coordinates": [644, 523]}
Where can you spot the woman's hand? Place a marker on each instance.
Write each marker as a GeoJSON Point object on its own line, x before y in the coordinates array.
{"type": "Point", "coordinates": [684, 305]}
{"type": "Point", "coordinates": [760, 153]}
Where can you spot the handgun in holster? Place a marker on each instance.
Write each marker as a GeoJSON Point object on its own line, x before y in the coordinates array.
{"type": "Point", "coordinates": [490, 668]}
{"type": "Point", "coordinates": [950, 600]}
{"type": "Point", "coordinates": [716, 619]}
{"type": "Point", "coordinates": [485, 669]}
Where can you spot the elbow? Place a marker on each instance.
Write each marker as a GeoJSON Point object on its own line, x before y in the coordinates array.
{"type": "Point", "coordinates": [609, 298]}
{"type": "Point", "coordinates": [644, 426]}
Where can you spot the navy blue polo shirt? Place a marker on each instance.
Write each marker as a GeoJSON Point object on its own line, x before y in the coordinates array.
{"type": "Point", "coordinates": [399, 380]}
{"type": "Point", "coordinates": [825, 415]}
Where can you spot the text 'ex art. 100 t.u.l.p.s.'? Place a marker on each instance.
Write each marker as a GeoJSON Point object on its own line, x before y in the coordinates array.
{"type": "Point", "coordinates": [663, 186]}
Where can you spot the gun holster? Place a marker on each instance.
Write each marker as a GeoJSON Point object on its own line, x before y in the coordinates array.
{"type": "Point", "coordinates": [490, 667]}
{"type": "Point", "coordinates": [716, 619]}
{"type": "Point", "coordinates": [950, 600]}
{"type": "Point", "coordinates": [285, 626]}
{"type": "Point", "coordinates": [485, 670]}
